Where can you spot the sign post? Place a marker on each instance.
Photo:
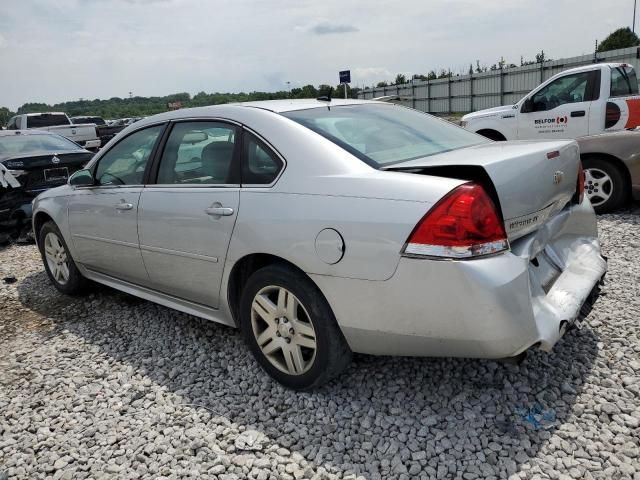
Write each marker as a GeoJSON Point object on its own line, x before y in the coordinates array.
{"type": "Point", "coordinates": [345, 78]}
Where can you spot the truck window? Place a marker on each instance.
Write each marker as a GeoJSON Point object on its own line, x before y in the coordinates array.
{"type": "Point", "coordinates": [46, 120]}
{"type": "Point", "coordinates": [623, 82]}
{"type": "Point", "coordinates": [568, 89]}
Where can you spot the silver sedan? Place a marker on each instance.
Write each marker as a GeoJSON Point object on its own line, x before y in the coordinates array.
{"type": "Point", "coordinates": [322, 228]}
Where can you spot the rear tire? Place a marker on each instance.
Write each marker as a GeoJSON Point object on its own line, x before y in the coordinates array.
{"type": "Point", "coordinates": [58, 263]}
{"type": "Point", "coordinates": [290, 328]}
{"type": "Point", "coordinates": [605, 184]}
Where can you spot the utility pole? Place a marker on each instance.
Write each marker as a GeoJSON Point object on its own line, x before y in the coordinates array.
{"type": "Point", "coordinates": [633, 27]}
{"type": "Point", "coordinates": [289, 88]}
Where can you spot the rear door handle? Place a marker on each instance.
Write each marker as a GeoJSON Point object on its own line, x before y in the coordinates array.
{"type": "Point", "coordinates": [219, 211]}
{"type": "Point", "coordinates": [578, 113]}
{"type": "Point", "coordinates": [124, 206]}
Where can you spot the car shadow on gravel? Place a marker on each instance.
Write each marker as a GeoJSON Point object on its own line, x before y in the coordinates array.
{"type": "Point", "coordinates": [384, 417]}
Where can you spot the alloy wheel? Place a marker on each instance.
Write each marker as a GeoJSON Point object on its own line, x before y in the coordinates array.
{"type": "Point", "coordinates": [56, 256]}
{"type": "Point", "coordinates": [598, 186]}
{"type": "Point", "coordinates": [283, 330]}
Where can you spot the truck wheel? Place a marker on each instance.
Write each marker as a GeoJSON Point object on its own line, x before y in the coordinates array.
{"type": "Point", "coordinates": [604, 184]}
{"type": "Point", "coordinates": [290, 328]}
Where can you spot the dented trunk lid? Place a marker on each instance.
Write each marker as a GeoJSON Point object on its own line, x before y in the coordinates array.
{"type": "Point", "coordinates": [533, 180]}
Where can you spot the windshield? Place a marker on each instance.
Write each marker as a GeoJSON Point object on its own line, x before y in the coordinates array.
{"type": "Point", "coordinates": [382, 135]}
{"type": "Point", "coordinates": [79, 120]}
{"type": "Point", "coordinates": [25, 144]}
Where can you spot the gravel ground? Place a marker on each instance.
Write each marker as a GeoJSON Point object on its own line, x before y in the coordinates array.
{"type": "Point", "coordinates": [110, 386]}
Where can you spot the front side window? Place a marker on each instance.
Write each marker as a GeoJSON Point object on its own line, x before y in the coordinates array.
{"type": "Point", "coordinates": [125, 162]}
{"type": "Point", "coordinates": [569, 89]}
{"type": "Point", "coordinates": [382, 135]}
{"type": "Point", "coordinates": [260, 165]}
{"type": "Point", "coordinates": [623, 82]}
{"type": "Point", "coordinates": [198, 153]}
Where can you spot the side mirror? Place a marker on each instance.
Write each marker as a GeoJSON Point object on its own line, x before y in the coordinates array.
{"type": "Point", "coordinates": [527, 106]}
{"type": "Point", "coordinates": [82, 178]}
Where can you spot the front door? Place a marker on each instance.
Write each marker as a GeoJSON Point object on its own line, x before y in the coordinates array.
{"type": "Point", "coordinates": [103, 218]}
{"type": "Point", "coordinates": [560, 109]}
{"type": "Point", "coordinates": [187, 217]}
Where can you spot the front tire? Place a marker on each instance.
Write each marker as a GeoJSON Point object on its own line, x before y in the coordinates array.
{"type": "Point", "coordinates": [604, 184]}
{"type": "Point", "coordinates": [290, 328]}
{"type": "Point", "coordinates": [58, 263]}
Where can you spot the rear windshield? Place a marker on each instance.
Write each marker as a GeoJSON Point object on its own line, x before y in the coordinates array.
{"type": "Point", "coordinates": [382, 135]}
{"type": "Point", "coordinates": [26, 144]}
{"type": "Point", "coordinates": [623, 82]}
{"type": "Point", "coordinates": [46, 120]}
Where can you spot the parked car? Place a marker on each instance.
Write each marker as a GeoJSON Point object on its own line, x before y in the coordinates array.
{"type": "Point", "coordinates": [324, 228]}
{"type": "Point", "coordinates": [105, 132]}
{"type": "Point", "coordinates": [85, 135]}
{"type": "Point", "coordinates": [36, 160]}
{"type": "Point", "coordinates": [612, 168]}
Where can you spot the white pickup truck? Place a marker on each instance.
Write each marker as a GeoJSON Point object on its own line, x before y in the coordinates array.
{"type": "Point", "coordinates": [85, 135]}
{"type": "Point", "coordinates": [585, 104]}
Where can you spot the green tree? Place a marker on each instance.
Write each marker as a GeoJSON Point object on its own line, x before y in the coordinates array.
{"type": "Point", "coordinates": [432, 75]}
{"type": "Point", "coordinates": [400, 79]}
{"type": "Point", "coordinates": [382, 84]}
{"type": "Point", "coordinates": [621, 38]}
{"type": "Point", "coordinates": [5, 115]}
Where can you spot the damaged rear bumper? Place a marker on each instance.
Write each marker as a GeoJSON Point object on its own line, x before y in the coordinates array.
{"type": "Point", "coordinates": [495, 307]}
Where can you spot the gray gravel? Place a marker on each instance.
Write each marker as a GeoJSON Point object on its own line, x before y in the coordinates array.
{"type": "Point", "coordinates": [112, 386]}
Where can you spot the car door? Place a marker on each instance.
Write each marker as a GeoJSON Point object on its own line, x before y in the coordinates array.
{"type": "Point", "coordinates": [560, 109]}
{"type": "Point", "coordinates": [103, 218]}
{"type": "Point", "coordinates": [187, 216]}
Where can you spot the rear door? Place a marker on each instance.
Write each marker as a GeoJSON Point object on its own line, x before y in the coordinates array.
{"type": "Point", "coordinates": [187, 217]}
{"type": "Point", "coordinates": [560, 109]}
{"type": "Point", "coordinates": [103, 218]}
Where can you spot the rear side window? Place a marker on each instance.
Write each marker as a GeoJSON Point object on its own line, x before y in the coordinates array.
{"type": "Point", "coordinates": [260, 165]}
{"type": "Point", "coordinates": [623, 82]}
{"type": "Point", "coordinates": [46, 120]}
{"type": "Point", "coordinates": [199, 153]}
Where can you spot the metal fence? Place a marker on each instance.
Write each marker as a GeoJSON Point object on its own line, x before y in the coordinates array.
{"type": "Point", "coordinates": [468, 93]}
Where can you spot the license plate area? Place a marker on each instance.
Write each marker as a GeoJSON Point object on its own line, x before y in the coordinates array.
{"type": "Point", "coordinates": [545, 270]}
{"type": "Point", "coordinates": [56, 174]}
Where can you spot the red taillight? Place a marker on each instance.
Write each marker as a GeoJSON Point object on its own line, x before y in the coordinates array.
{"type": "Point", "coordinates": [580, 186]}
{"type": "Point", "coordinates": [464, 224]}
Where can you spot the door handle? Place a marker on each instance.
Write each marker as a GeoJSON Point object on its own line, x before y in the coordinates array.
{"type": "Point", "coordinates": [219, 211]}
{"type": "Point", "coordinates": [124, 206]}
{"type": "Point", "coordinates": [578, 113]}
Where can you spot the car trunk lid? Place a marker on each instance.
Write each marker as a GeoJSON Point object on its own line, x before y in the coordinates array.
{"type": "Point", "coordinates": [531, 181]}
{"type": "Point", "coordinates": [43, 171]}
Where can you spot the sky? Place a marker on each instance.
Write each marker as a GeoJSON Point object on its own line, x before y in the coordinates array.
{"type": "Point", "coordinates": [57, 50]}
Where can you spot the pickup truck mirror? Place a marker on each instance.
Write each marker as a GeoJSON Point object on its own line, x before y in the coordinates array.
{"type": "Point", "coordinates": [82, 178]}
{"type": "Point", "coordinates": [527, 106]}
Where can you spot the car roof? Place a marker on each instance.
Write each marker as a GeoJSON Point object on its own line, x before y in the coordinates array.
{"type": "Point", "coordinates": [275, 106]}
{"type": "Point", "coordinates": [593, 66]}
{"type": "Point", "coordinates": [13, 133]}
